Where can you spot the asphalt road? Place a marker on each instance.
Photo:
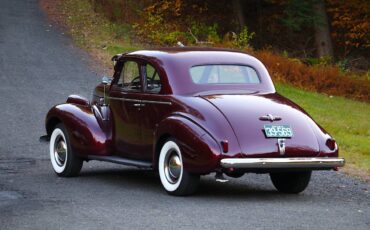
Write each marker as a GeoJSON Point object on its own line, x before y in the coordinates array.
{"type": "Point", "coordinates": [39, 67]}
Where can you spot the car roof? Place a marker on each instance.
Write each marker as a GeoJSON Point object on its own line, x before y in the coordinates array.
{"type": "Point", "coordinates": [175, 63]}
{"type": "Point", "coordinates": [181, 53]}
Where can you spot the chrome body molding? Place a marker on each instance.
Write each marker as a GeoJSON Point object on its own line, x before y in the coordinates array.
{"type": "Point", "coordinates": [157, 102]}
{"type": "Point", "coordinates": [140, 101]}
{"type": "Point", "coordinates": [296, 162]}
{"type": "Point", "coordinates": [124, 99]}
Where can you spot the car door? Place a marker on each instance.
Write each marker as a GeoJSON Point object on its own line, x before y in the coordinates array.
{"type": "Point", "coordinates": [156, 106]}
{"type": "Point", "coordinates": [125, 104]}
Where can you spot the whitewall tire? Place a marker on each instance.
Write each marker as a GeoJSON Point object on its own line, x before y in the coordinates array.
{"type": "Point", "coordinates": [174, 177]}
{"type": "Point", "coordinates": [64, 162]}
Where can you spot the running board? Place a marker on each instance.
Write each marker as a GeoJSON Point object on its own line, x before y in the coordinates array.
{"type": "Point", "coordinates": [122, 161]}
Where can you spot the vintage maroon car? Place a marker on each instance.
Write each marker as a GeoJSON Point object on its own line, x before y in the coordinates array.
{"type": "Point", "coordinates": [187, 112]}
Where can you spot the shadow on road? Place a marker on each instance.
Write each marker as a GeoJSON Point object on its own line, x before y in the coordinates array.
{"type": "Point", "coordinates": [208, 188]}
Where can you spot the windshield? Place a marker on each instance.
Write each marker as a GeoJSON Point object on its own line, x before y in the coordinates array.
{"type": "Point", "coordinates": [224, 74]}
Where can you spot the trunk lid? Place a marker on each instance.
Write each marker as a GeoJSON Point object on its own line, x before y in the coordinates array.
{"type": "Point", "coordinates": [243, 112]}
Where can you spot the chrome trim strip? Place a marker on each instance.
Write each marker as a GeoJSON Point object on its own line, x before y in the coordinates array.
{"type": "Point", "coordinates": [124, 99]}
{"type": "Point", "coordinates": [157, 102]}
{"type": "Point", "coordinates": [141, 101]}
{"type": "Point", "coordinates": [299, 162]}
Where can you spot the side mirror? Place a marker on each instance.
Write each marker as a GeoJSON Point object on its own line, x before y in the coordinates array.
{"type": "Point", "coordinates": [105, 80]}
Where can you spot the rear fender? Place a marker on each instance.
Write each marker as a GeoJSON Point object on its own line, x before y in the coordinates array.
{"type": "Point", "coordinates": [88, 133]}
{"type": "Point", "coordinates": [200, 151]}
{"type": "Point", "coordinates": [323, 139]}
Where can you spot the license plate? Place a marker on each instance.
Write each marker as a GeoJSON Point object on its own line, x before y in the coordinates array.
{"type": "Point", "coordinates": [278, 131]}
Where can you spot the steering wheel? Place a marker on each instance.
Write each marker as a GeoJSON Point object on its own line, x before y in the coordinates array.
{"type": "Point", "coordinates": [134, 82]}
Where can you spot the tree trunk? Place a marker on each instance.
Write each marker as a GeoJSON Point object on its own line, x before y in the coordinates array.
{"type": "Point", "coordinates": [322, 31]}
{"type": "Point", "coordinates": [238, 11]}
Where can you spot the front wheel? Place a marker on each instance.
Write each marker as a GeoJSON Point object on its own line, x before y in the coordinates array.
{"type": "Point", "coordinates": [174, 177]}
{"type": "Point", "coordinates": [65, 163]}
{"type": "Point", "coordinates": [292, 182]}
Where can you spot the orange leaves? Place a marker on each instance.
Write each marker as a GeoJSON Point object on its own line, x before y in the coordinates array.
{"type": "Point", "coordinates": [167, 7]}
{"type": "Point", "coordinates": [177, 7]}
{"type": "Point", "coordinates": [350, 23]}
{"type": "Point", "coordinates": [165, 22]}
{"type": "Point", "coordinates": [324, 79]}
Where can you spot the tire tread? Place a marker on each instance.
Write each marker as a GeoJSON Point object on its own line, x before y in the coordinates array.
{"type": "Point", "coordinates": [292, 182]}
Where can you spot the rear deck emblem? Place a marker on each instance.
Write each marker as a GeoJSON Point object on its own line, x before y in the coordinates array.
{"type": "Point", "coordinates": [270, 117]}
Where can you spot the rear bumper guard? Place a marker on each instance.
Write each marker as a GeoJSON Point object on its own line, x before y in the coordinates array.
{"type": "Point", "coordinates": [283, 163]}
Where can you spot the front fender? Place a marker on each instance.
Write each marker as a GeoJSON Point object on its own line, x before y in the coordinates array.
{"type": "Point", "coordinates": [200, 151]}
{"type": "Point", "coordinates": [88, 133]}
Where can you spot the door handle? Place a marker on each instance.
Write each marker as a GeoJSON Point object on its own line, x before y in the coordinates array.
{"type": "Point", "coordinates": [138, 105]}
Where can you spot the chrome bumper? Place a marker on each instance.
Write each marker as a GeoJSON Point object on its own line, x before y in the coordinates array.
{"type": "Point", "coordinates": [299, 162]}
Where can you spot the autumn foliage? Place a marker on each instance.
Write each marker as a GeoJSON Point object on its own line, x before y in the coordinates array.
{"type": "Point", "coordinates": [323, 79]}
{"type": "Point", "coordinates": [213, 23]}
{"type": "Point", "coordinates": [350, 24]}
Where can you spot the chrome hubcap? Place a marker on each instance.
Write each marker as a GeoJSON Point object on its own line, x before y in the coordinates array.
{"type": "Point", "coordinates": [60, 151]}
{"type": "Point", "coordinates": [172, 167]}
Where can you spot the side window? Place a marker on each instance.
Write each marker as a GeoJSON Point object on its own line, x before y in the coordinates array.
{"type": "Point", "coordinates": [153, 81]}
{"type": "Point", "coordinates": [130, 76]}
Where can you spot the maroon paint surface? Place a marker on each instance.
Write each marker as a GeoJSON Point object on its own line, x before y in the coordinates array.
{"type": "Point", "coordinates": [198, 122]}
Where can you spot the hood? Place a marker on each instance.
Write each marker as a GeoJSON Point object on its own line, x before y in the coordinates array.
{"type": "Point", "coordinates": [243, 113]}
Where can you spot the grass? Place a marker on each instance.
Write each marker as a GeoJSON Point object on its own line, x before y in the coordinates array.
{"type": "Point", "coordinates": [94, 32]}
{"type": "Point", "coordinates": [346, 120]}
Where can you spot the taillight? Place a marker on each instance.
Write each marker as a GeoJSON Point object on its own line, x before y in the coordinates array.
{"type": "Point", "coordinates": [332, 145]}
{"type": "Point", "coordinates": [225, 146]}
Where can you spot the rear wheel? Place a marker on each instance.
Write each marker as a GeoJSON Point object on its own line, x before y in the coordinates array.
{"type": "Point", "coordinates": [174, 177]}
{"type": "Point", "coordinates": [65, 163]}
{"type": "Point", "coordinates": [292, 182]}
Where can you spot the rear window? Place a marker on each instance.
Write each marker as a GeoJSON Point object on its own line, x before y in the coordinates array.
{"type": "Point", "coordinates": [224, 74]}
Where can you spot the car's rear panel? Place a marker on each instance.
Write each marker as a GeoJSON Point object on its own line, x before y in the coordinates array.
{"type": "Point", "coordinates": [244, 113]}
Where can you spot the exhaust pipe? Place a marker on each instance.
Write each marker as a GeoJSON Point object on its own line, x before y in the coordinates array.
{"type": "Point", "coordinates": [220, 177]}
